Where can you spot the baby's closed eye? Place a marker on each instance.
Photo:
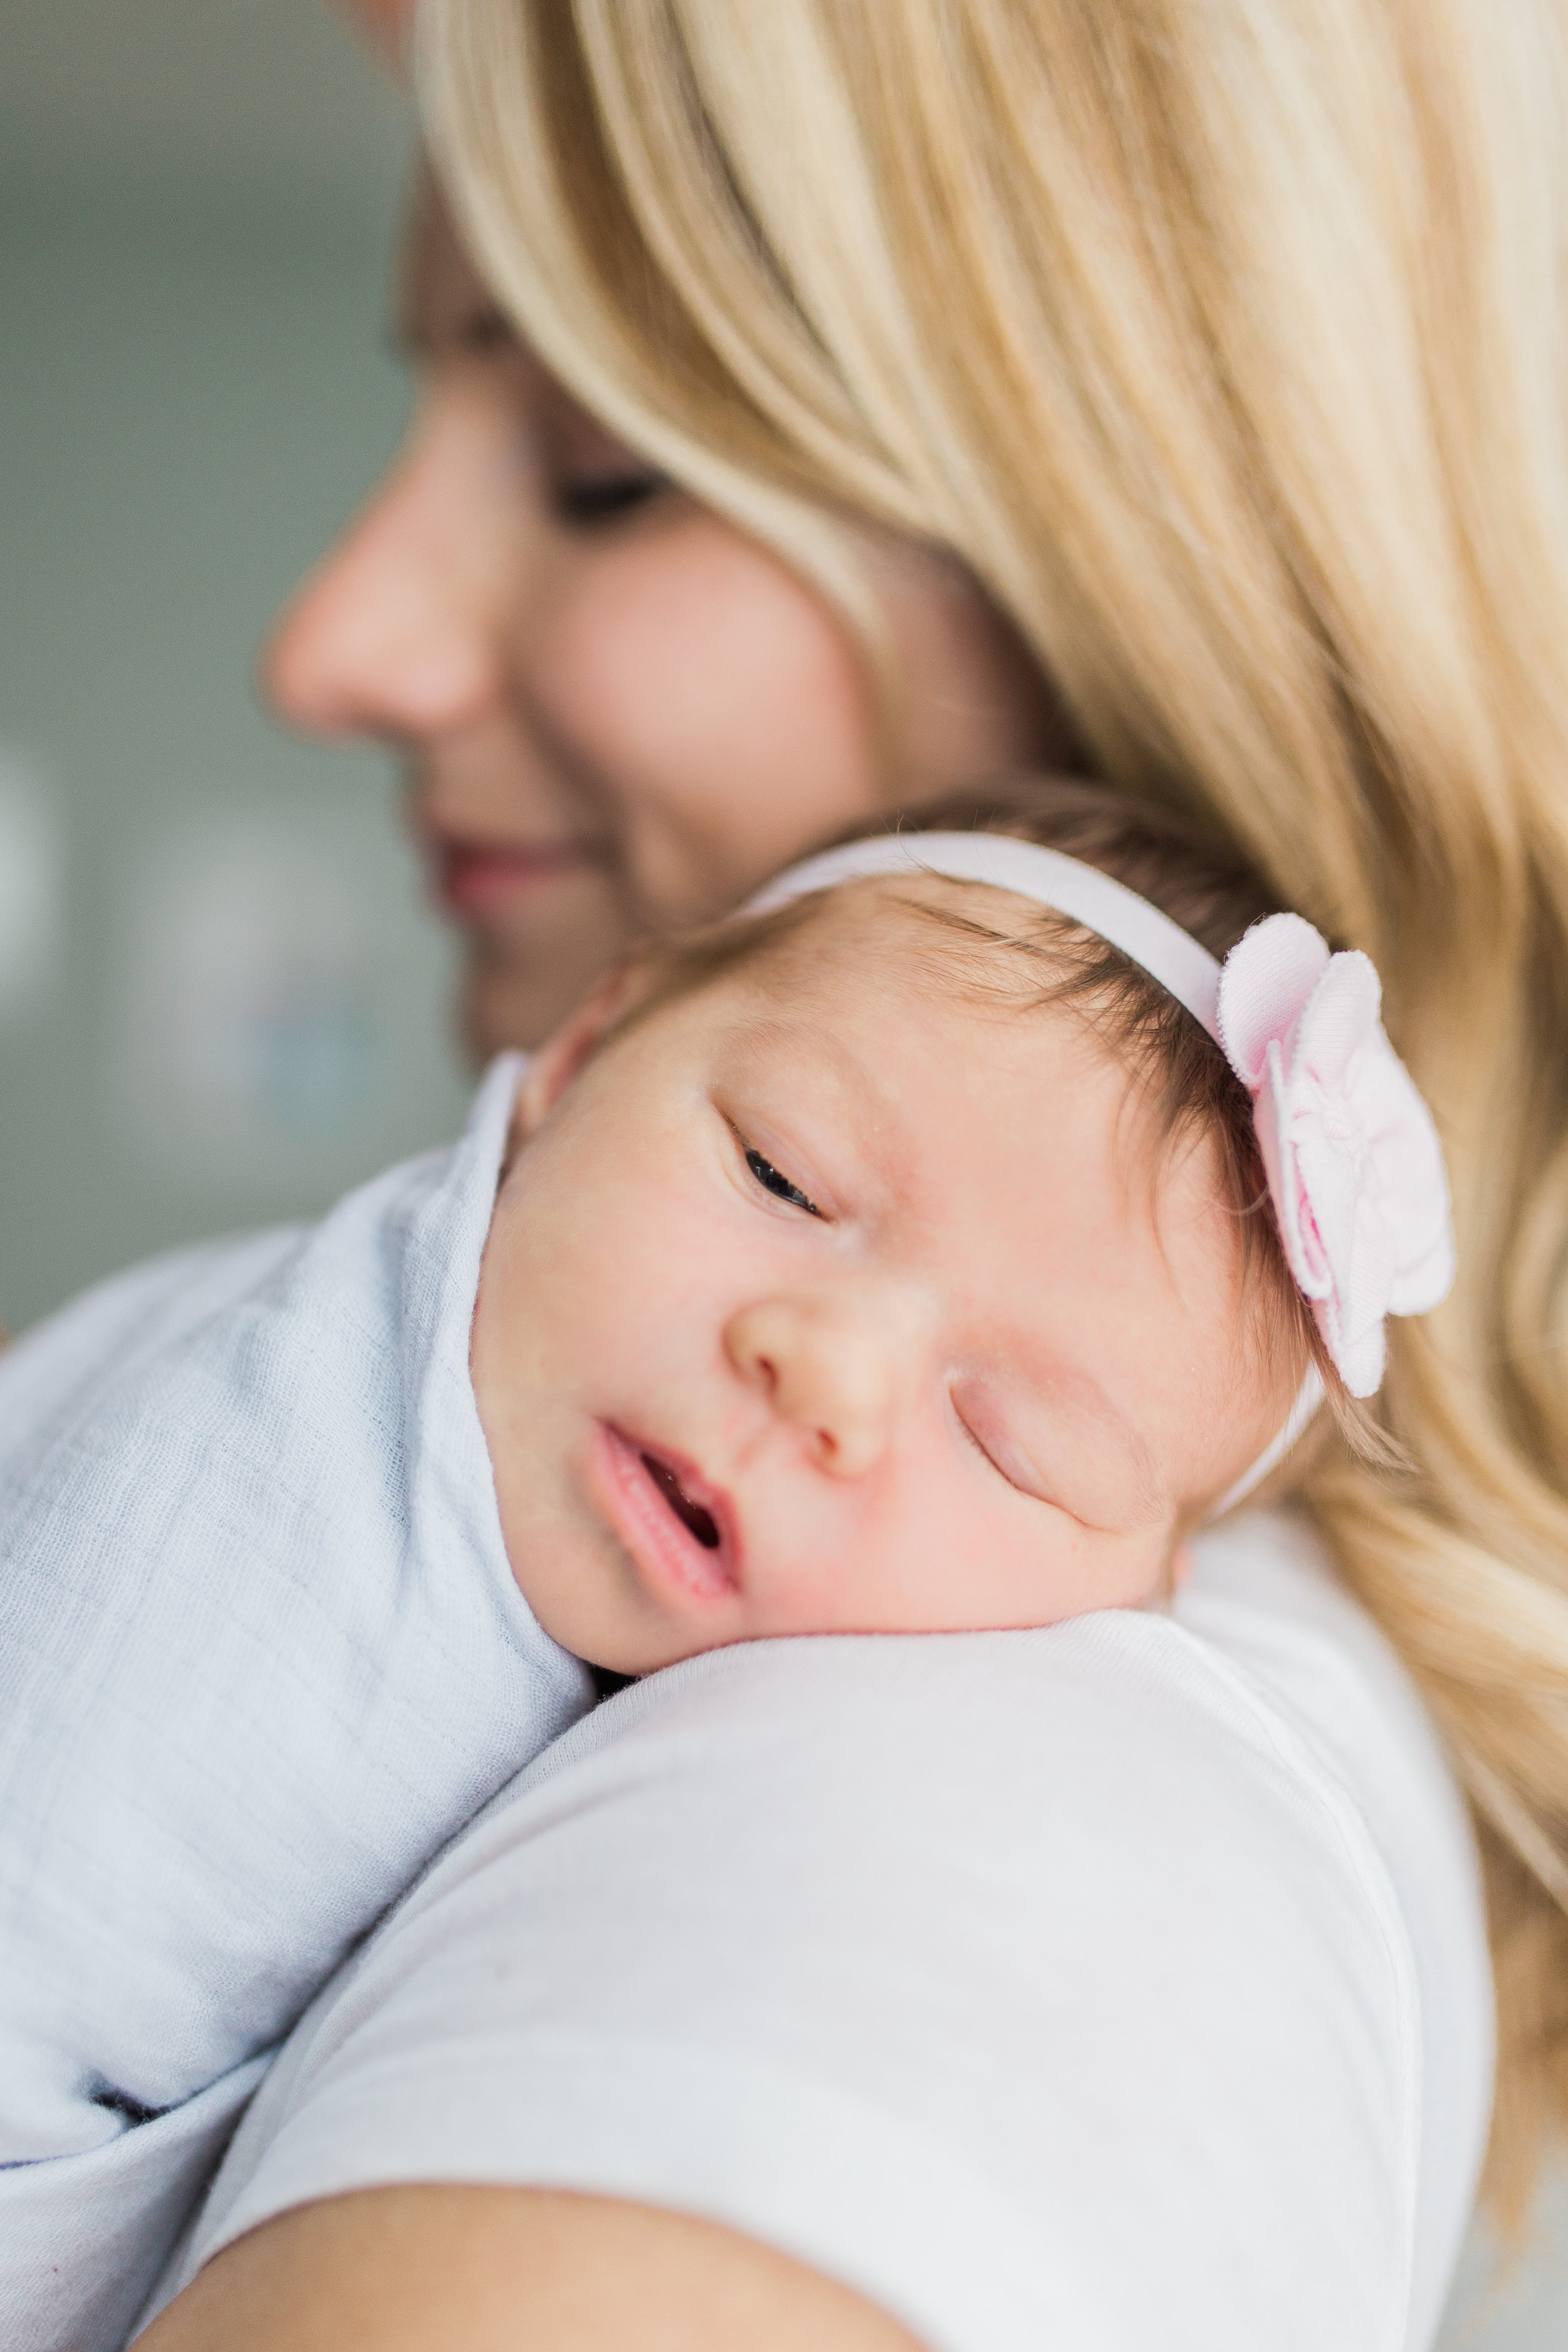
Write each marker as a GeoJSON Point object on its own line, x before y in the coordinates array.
{"type": "Point", "coordinates": [1053, 1454]}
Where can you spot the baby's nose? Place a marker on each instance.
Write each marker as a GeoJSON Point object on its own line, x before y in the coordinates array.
{"type": "Point", "coordinates": [840, 1371]}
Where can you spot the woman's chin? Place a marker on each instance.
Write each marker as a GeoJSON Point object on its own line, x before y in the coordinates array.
{"type": "Point", "coordinates": [510, 998]}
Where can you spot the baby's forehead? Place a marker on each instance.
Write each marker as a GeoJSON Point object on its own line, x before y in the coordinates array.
{"type": "Point", "coordinates": [922, 956]}
{"type": "Point", "coordinates": [930, 1024]}
{"type": "Point", "coordinates": [966, 946]}
{"type": "Point", "coordinates": [884, 1014]}
{"type": "Point", "coordinates": [953, 992]}
{"type": "Point", "coordinates": [876, 978]}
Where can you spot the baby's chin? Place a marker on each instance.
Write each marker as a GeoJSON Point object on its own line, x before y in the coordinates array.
{"type": "Point", "coordinates": [585, 1593]}
{"type": "Point", "coordinates": [627, 1659]}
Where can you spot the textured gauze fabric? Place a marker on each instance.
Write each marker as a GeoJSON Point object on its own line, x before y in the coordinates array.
{"type": "Point", "coordinates": [261, 1654]}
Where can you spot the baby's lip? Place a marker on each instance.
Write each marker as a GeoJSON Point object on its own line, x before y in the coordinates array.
{"type": "Point", "coordinates": [660, 1501]}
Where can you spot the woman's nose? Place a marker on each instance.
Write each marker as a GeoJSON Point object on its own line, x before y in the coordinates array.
{"type": "Point", "coordinates": [390, 635]}
{"type": "Point", "coordinates": [841, 1370]}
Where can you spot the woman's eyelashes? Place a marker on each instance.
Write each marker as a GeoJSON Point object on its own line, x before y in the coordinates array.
{"type": "Point", "coordinates": [483, 330]}
{"type": "Point", "coordinates": [771, 1180]}
{"type": "Point", "coordinates": [594, 501]}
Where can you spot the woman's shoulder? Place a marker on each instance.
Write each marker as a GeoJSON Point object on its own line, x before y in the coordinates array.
{"type": "Point", "coordinates": [959, 1966]}
{"type": "Point", "coordinates": [1266, 1609]}
{"type": "Point", "coordinates": [1266, 1604]}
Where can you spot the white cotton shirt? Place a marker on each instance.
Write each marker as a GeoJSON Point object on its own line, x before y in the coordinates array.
{"type": "Point", "coordinates": [261, 1654]}
{"type": "Point", "coordinates": [1113, 1987]}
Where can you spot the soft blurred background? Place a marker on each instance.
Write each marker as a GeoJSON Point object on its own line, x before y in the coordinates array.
{"type": "Point", "coordinates": [220, 1000]}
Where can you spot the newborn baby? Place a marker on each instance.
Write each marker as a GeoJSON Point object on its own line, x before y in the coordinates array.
{"type": "Point", "coordinates": [896, 1257]}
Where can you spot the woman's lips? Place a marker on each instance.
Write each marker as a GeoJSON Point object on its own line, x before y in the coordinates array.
{"type": "Point", "coordinates": [473, 877]}
{"type": "Point", "coordinates": [677, 1529]}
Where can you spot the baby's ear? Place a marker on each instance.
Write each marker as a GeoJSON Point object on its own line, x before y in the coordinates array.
{"type": "Point", "coordinates": [561, 1056]}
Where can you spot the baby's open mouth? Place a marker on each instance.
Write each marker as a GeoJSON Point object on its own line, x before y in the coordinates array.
{"type": "Point", "coordinates": [692, 1515]}
{"type": "Point", "coordinates": [674, 1526]}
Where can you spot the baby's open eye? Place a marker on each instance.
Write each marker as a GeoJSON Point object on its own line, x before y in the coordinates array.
{"type": "Point", "coordinates": [769, 1178]}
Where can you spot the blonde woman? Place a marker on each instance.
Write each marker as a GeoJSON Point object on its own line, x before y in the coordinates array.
{"type": "Point", "coordinates": [834, 399]}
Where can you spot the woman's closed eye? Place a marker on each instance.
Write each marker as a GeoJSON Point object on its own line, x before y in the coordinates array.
{"type": "Point", "coordinates": [592, 480]}
{"type": "Point", "coordinates": [774, 1181]}
{"type": "Point", "coordinates": [594, 501]}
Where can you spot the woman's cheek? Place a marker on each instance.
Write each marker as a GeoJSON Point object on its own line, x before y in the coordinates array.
{"type": "Point", "coordinates": [718, 708]}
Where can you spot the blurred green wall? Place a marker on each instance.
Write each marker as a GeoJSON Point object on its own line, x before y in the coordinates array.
{"type": "Point", "coordinates": [220, 1001]}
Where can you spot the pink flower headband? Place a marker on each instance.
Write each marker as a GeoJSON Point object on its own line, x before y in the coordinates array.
{"type": "Point", "coordinates": [1354, 1167]}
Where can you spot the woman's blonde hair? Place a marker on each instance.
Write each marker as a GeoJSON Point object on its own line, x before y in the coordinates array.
{"type": "Point", "coordinates": [1224, 346]}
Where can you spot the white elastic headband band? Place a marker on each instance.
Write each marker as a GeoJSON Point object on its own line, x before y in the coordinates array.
{"type": "Point", "coordinates": [1180, 963]}
{"type": "Point", "coordinates": [1064, 883]}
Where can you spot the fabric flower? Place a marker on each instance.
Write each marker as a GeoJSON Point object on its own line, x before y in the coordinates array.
{"type": "Point", "coordinates": [1354, 1166]}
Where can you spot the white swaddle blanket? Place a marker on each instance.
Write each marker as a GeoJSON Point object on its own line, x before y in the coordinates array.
{"type": "Point", "coordinates": [261, 1654]}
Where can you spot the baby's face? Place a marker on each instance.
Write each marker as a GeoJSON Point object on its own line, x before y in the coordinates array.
{"type": "Point", "coordinates": [826, 1301]}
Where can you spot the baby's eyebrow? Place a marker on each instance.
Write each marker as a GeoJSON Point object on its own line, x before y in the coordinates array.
{"type": "Point", "coordinates": [769, 1029]}
{"type": "Point", "coordinates": [771, 1034]}
{"type": "Point", "coordinates": [847, 1114]}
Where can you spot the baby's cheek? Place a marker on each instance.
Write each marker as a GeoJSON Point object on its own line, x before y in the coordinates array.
{"type": "Point", "coordinates": [1075, 1570]}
